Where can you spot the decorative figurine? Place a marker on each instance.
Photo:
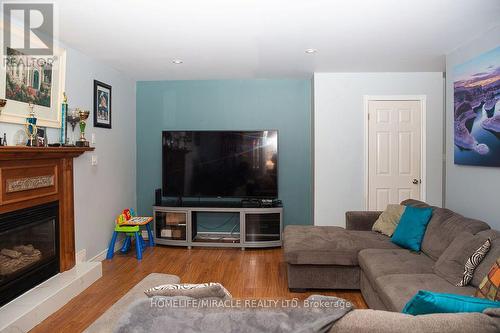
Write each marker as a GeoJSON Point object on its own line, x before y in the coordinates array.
{"type": "Point", "coordinates": [30, 127]}
{"type": "Point", "coordinates": [64, 110]}
{"type": "Point", "coordinates": [84, 115]}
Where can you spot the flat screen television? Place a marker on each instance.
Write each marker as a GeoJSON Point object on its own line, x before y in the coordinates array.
{"type": "Point", "coordinates": [241, 164]}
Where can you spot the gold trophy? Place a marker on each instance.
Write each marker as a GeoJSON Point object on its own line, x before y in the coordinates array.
{"type": "Point", "coordinates": [84, 115]}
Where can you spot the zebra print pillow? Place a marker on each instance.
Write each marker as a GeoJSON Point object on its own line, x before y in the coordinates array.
{"type": "Point", "coordinates": [202, 290]}
{"type": "Point", "coordinates": [474, 261]}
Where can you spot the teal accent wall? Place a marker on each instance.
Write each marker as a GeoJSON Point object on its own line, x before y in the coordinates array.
{"type": "Point", "coordinates": [229, 105]}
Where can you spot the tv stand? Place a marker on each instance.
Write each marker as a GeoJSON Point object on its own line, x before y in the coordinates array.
{"type": "Point", "coordinates": [178, 225]}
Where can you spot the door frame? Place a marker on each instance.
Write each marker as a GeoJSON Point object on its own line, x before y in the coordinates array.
{"type": "Point", "coordinates": [423, 149]}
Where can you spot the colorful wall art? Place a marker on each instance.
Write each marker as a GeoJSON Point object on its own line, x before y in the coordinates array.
{"type": "Point", "coordinates": [477, 110]}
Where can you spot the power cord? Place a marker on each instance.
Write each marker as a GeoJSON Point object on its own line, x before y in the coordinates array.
{"type": "Point", "coordinates": [221, 225]}
{"type": "Point", "coordinates": [218, 226]}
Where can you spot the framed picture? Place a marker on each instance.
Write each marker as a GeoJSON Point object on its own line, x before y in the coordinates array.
{"type": "Point", "coordinates": [41, 137]}
{"type": "Point", "coordinates": [476, 87]}
{"type": "Point", "coordinates": [102, 104]}
{"type": "Point", "coordinates": [32, 79]}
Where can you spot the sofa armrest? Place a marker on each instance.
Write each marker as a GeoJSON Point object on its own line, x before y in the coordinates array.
{"type": "Point", "coordinates": [362, 220]}
{"type": "Point", "coordinates": [376, 321]}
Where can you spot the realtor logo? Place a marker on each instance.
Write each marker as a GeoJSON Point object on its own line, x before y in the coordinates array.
{"type": "Point", "coordinates": [37, 23]}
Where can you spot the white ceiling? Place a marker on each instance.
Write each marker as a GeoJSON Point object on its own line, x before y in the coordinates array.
{"type": "Point", "coordinates": [227, 39]}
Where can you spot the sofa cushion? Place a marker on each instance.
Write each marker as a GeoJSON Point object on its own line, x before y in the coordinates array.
{"type": "Point", "coordinates": [443, 227]}
{"type": "Point", "coordinates": [450, 265]}
{"type": "Point", "coordinates": [473, 261]}
{"type": "Point", "coordinates": [397, 289]}
{"type": "Point", "coordinates": [411, 228]}
{"type": "Point", "coordinates": [380, 262]}
{"type": "Point", "coordinates": [206, 290]}
{"type": "Point", "coordinates": [388, 220]}
{"type": "Point", "coordinates": [494, 253]}
{"type": "Point", "coordinates": [490, 286]}
{"type": "Point", "coordinates": [426, 302]}
{"type": "Point", "coordinates": [324, 245]}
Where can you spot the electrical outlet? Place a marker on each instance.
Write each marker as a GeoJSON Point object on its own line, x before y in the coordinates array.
{"type": "Point", "coordinates": [93, 138]}
{"type": "Point", "coordinates": [94, 160]}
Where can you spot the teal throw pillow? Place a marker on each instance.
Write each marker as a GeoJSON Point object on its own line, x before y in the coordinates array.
{"type": "Point", "coordinates": [425, 302]}
{"type": "Point", "coordinates": [411, 228]}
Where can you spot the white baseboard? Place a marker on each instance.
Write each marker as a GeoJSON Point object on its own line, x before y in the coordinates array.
{"type": "Point", "coordinates": [102, 255]}
{"type": "Point", "coordinates": [81, 256]}
{"type": "Point", "coordinates": [35, 305]}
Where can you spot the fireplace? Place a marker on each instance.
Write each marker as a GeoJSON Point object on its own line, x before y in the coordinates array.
{"type": "Point", "coordinates": [29, 248]}
{"type": "Point", "coordinates": [37, 230]}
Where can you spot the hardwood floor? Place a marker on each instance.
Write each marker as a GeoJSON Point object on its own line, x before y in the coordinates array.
{"type": "Point", "coordinates": [246, 274]}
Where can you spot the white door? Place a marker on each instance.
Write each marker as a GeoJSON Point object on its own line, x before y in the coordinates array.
{"type": "Point", "coordinates": [394, 142]}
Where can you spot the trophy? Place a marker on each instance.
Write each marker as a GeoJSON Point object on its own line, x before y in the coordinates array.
{"type": "Point", "coordinates": [72, 118]}
{"type": "Point", "coordinates": [84, 115]}
{"type": "Point", "coordinates": [30, 128]}
{"type": "Point", "coordinates": [64, 129]}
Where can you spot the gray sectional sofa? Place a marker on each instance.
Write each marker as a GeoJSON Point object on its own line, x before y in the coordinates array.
{"type": "Point", "coordinates": [322, 257]}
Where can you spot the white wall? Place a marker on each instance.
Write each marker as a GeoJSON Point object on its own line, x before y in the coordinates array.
{"type": "Point", "coordinates": [470, 190]}
{"type": "Point", "coordinates": [101, 191]}
{"type": "Point", "coordinates": [339, 136]}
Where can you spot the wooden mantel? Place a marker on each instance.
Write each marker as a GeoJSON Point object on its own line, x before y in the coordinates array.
{"type": "Point", "coordinates": [28, 153]}
{"type": "Point", "coordinates": [31, 176]}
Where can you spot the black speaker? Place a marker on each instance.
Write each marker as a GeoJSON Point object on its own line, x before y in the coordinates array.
{"type": "Point", "coordinates": [158, 196]}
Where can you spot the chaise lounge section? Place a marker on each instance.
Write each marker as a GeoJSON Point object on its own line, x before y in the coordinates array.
{"type": "Point", "coordinates": [327, 257]}
{"type": "Point", "coordinates": [322, 257]}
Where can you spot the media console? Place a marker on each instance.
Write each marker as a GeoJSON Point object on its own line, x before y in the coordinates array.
{"type": "Point", "coordinates": [179, 225]}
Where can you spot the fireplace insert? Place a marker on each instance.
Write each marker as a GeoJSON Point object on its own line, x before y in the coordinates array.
{"type": "Point", "coordinates": [29, 249]}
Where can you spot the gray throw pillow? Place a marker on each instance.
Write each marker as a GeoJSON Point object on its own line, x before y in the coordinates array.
{"type": "Point", "coordinates": [389, 219]}
{"type": "Point", "coordinates": [202, 290]}
{"type": "Point", "coordinates": [450, 265]}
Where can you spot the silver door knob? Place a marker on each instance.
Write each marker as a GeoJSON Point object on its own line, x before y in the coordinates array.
{"type": "Point", "coordinates": [415, 181]}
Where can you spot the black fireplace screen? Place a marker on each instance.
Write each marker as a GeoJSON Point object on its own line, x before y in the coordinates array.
{"type": "Point", "coordinates": [28, 249]}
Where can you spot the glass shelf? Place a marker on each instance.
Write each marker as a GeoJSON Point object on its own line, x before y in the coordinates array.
{"type": "Point", "coordinates": [171, 225]}
{"type": "Point", "coordinates": [262, 227]}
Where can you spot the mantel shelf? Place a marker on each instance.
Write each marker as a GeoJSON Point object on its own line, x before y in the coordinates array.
{"type": "Point", "coordinates": [22, 152]}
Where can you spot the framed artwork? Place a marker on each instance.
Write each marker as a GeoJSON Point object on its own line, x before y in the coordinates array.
{"type": "Point", "coordinates": [41, 137]}
{"type": "Point", "coordinates": [102, 104]}
{"type": "Point", "coordinates": [476, 90]}
{"type": "Point", "coordinates": [32, 79]}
